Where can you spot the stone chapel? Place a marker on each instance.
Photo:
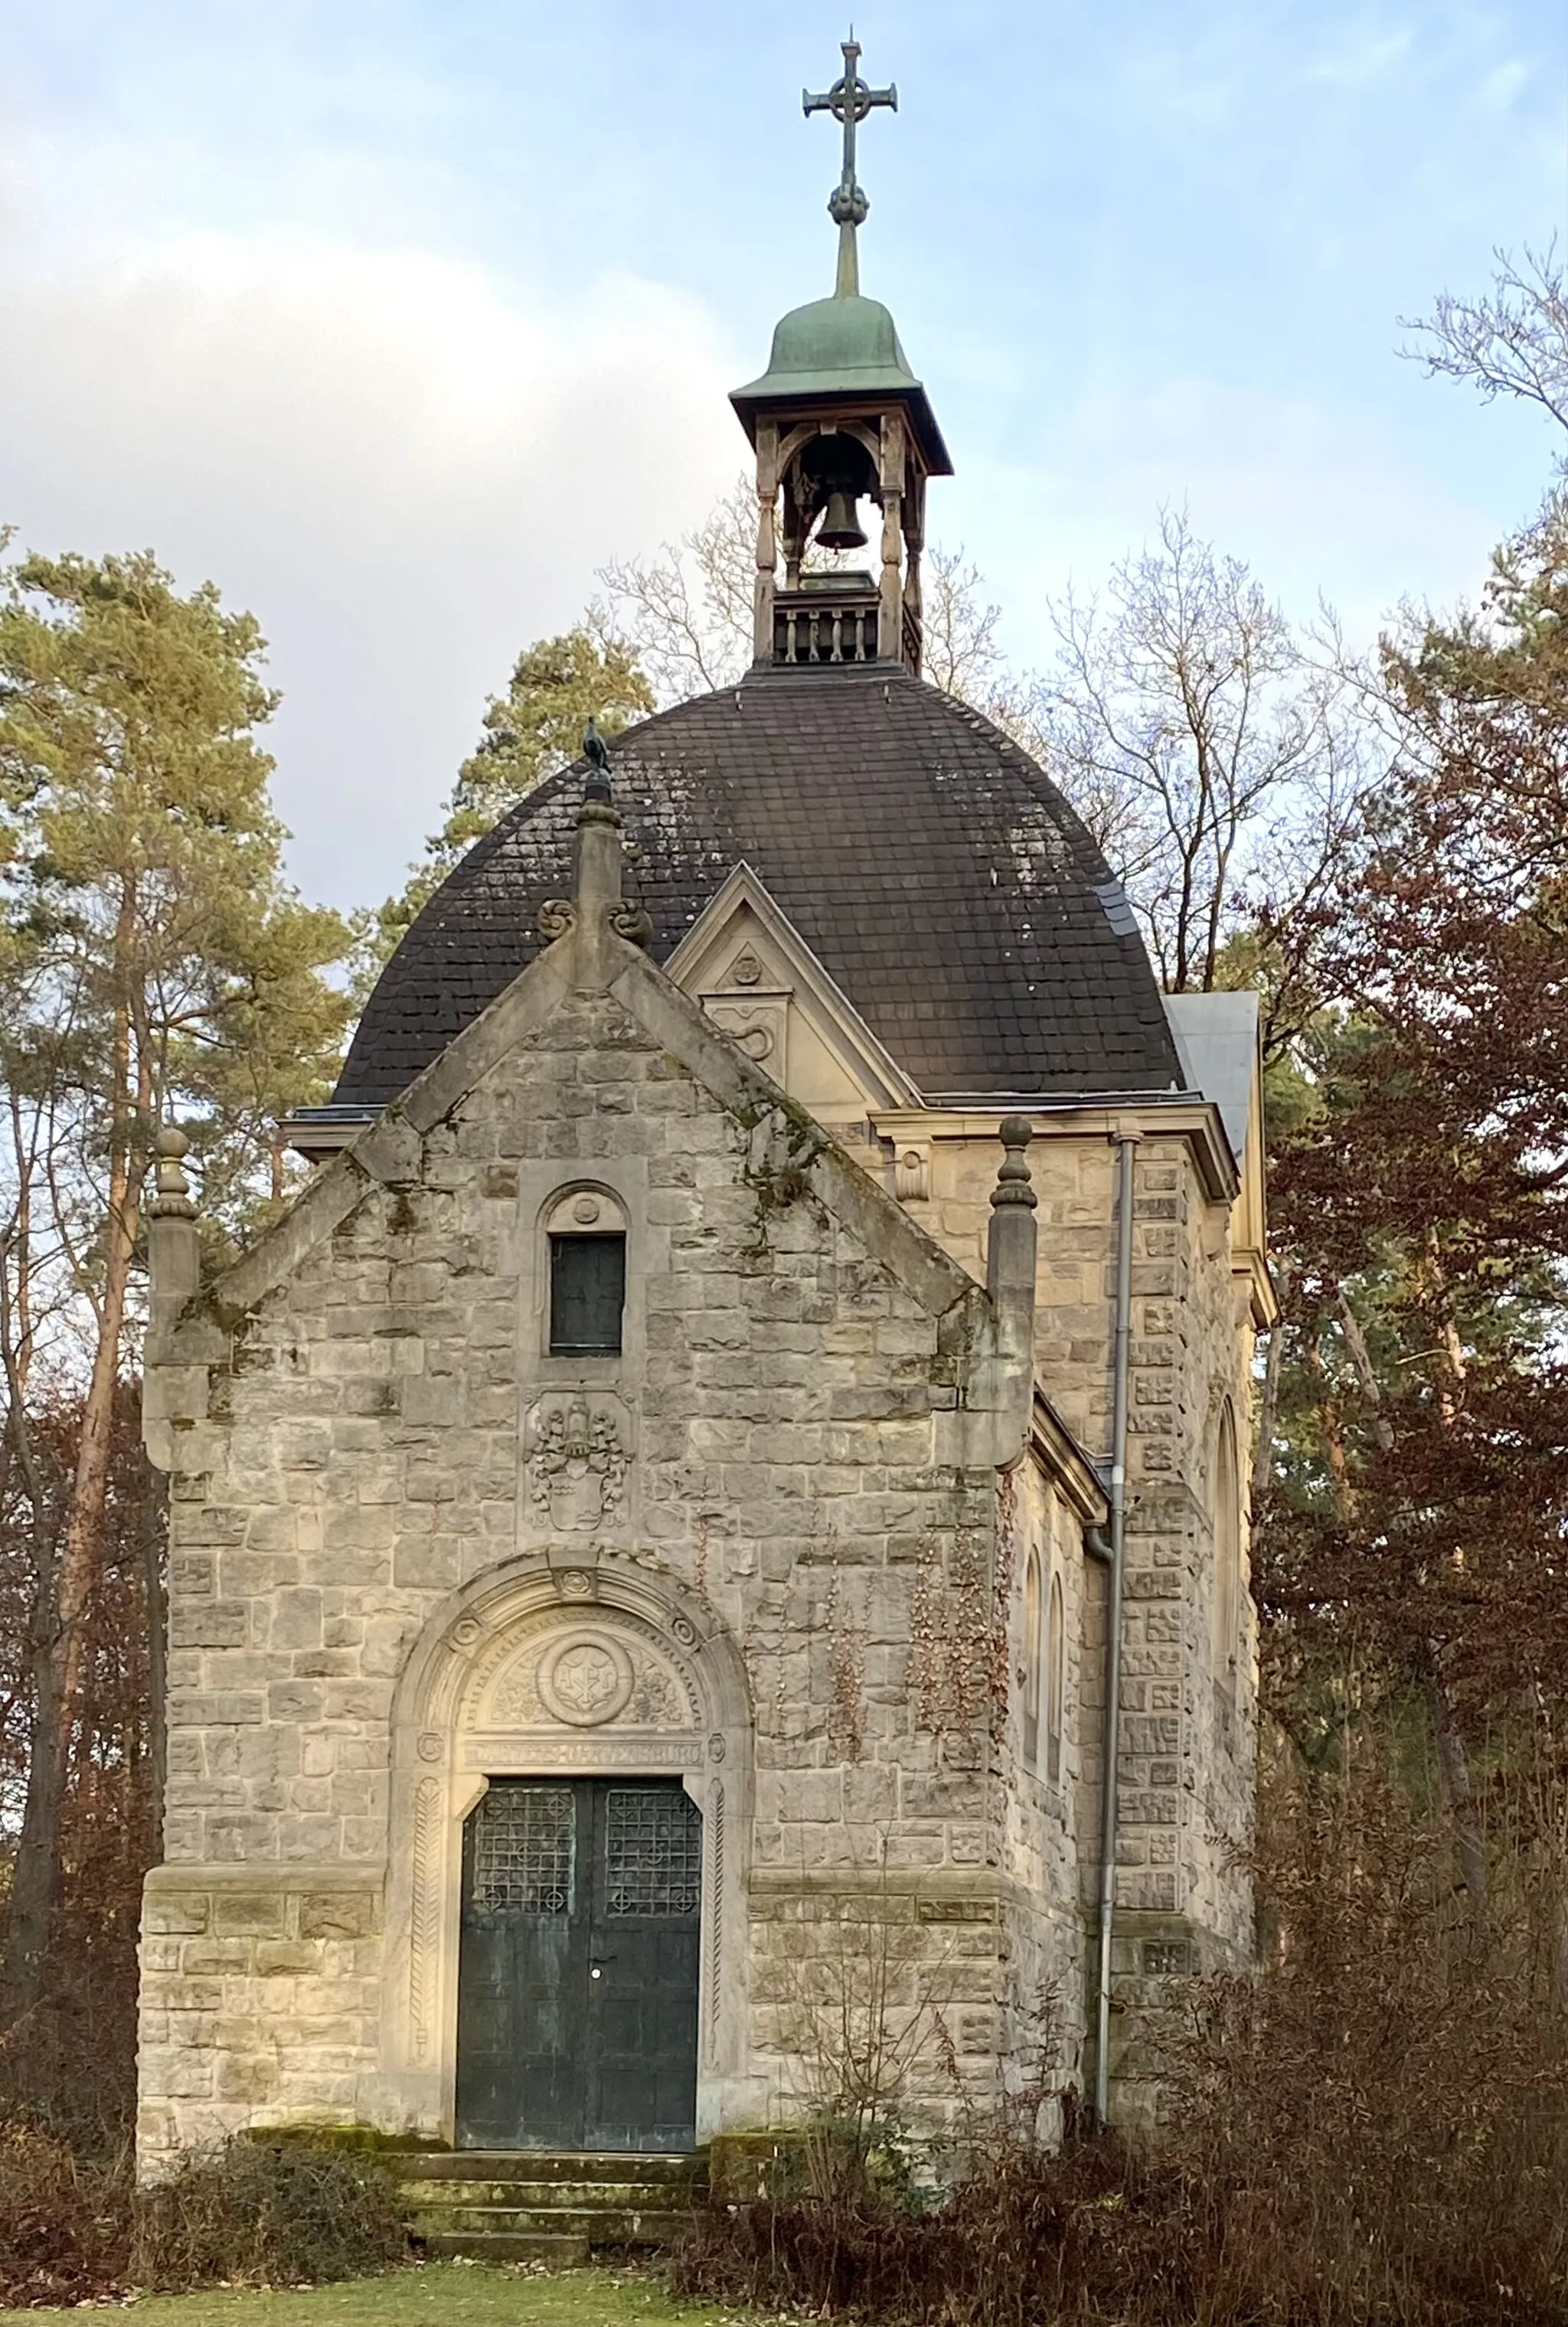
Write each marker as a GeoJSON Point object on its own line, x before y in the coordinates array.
{"type": "Point", "coordinates": [741, 1441]}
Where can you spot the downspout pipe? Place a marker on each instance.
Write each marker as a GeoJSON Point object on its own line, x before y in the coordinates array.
{"type": "Point", "coordinates": [1126, 1142]}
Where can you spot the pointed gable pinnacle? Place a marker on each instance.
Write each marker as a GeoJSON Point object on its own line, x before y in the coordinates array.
{"type": "Point", "coordinates": [1014, 1179]}
{"type": "Point", "coordinates": [597, 907]}
{"type": "Point", "coordinates": [596, 785]}
{"type": "Point", "coordinates": [1012, 1254]}
{"type": "Point", "coordinates": [173, 1199]}
{"type": "Point", "coordinates": [1011, 1242]}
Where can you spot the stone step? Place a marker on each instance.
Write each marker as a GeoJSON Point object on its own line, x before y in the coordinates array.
{"type": "Point", "coordinates": [506, 2246]}
{"type": "Point", "coordinates": [534, 2205]}
{"type": "Point", "coordinates": [605, 2226]}
{"type": "Point", "coordinates": [593, 2195]}
{"type": "Point", "coordinates": [619, 2166]}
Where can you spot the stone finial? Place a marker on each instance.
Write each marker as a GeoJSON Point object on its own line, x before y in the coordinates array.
{"type": "Point", "coordinates": [173, 1253]}
{"type": "Point", "coordinates": [597, 904]}
{"type": "Point", "coordinates": [1010, 1263]}
{"type": "Point", "coordinates": [171, 1200]}
{"type": "Point", "coordinates": [1014, 1183]}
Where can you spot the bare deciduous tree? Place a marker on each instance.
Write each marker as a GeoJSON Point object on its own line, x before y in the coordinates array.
{"type": "Point", "coordinates": [685, 612]}
{"type": "Point", "coordinates": [1202, 739]}
{"type": "Point", "coordinates": [1513, 343]}
{"type": "Point", "coordinates": [963, 648]}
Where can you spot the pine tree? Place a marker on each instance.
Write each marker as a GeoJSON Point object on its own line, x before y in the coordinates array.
{"type": "Point", "coordinates": [530, 732]}
{"type": "Point", "coordinates": [151, 959]}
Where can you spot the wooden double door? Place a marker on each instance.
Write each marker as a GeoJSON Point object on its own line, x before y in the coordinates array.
{"type": "Point", "coordinates": [578, 1974]}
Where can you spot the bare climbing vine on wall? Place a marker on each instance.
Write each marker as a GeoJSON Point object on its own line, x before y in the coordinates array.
{"type": "Point", "coordinates": [783, 1145]}
{"type": "Point", "coordinates": [846, 1678]}
{"type": "Point", "coordinates": [1003, 1572]}
{"type": "Point", "coordinates": [952, 1649]}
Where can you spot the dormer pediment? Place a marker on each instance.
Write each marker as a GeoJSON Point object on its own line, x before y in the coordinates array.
{"type": "Point", "coordinates": [761, 985]}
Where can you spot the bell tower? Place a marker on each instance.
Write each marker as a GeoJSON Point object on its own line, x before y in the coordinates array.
{"type": "Point", "coordinates": [838, 420]}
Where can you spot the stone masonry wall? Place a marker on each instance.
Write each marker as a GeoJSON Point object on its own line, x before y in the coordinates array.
{"type": "Point", "coordinates": [1186, 1741]}
{"type": "Point", "coordinates": [364, 1451]}
{"type": "Point", "coordinates": [1043, 1815]}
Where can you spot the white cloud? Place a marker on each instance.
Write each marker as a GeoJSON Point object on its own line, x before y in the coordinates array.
{"type": "Point", "coordinates": [404, 465]}
{"type": "Point", "coordinates": [1359, 56]}
{"type": "Point", "coordinates": [1501, 88]}
{"type": "Point", "coordinates": [263, 307]}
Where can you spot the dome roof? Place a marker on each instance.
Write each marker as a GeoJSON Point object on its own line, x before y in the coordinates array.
{"type": "Point", "coordinates": [846, 348]}
{"type": "Point", "coordinates": [843, 342]}
{"type": "Point", "coordinates": [934, 870]}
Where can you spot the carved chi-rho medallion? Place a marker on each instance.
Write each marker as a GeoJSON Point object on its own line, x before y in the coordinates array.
{"type": "Point", "coordinates": [586, 1679]}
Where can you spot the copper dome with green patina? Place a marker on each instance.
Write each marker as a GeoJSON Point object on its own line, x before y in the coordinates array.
{"type": "Point", "coordinates": [846, 347]}
{"type": "Point", "coordinates": [834, 344]}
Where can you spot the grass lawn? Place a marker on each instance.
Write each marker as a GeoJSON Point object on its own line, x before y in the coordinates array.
{"type": "Point", "coordinates": [437, 2294]}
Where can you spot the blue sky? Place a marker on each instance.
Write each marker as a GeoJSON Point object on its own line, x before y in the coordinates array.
{"type": "Point", "coordinates": [397, 319]}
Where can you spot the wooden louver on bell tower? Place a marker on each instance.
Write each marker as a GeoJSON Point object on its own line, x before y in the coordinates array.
{"type": "Point", "coordinates": [838, 420]}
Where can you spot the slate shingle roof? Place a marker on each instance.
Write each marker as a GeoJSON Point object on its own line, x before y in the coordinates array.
{"type": "Point", "coordinates": [935, 871]}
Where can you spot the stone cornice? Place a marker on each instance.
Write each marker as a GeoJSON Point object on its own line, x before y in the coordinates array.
{"type": "Point", "coordinates": [1180, 1117]}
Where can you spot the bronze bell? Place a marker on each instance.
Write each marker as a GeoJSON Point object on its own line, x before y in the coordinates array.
{"type": "Point", "coordinates": [840, 525]}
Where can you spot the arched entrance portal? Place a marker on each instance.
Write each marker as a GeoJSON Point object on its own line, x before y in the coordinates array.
{"type": "Point", "coordinates": [565, 1909]}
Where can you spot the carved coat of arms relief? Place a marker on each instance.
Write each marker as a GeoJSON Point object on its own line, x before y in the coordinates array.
{"type": "Point", "coordinates": [578, 1454]}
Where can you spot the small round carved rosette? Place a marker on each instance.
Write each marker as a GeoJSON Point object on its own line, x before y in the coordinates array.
{"type": "Point", "coordinates": [587, 1680]}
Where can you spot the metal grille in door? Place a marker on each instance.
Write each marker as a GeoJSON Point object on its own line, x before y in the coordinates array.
{"type": "Point", "coordinates": [525, 1850]}
{"type": "Point", "coordinates": [653, 1853]}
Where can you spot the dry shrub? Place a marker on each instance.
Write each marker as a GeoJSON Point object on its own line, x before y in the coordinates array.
{"type": "Point", "coordinates": [261, 2214]}
{"type": "Point", "coordinates": [1373, 2131]}
{"type": "Point", "coordinates": [252, 2213]}
{"type": "Point", "coordinates": [65, 2224]}
{"type": "Point", "coordinates": [1026, 2236]}
{"type": "Point", "coordinates": [1376, 2129]}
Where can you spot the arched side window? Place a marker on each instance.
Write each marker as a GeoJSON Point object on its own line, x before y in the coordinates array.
{"type": "Point", "coordinates": [1055, 1681]}
{"type": "Point", "coordinates": [1226, 1544]}
{"type": "Point", "coordinates": [584, 1273]}
{"type": "Point", "coordinates": [1031, 1661]}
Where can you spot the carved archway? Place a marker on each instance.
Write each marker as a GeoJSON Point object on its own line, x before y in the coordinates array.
{"type": "Point", "coordinates": [527, 1672]}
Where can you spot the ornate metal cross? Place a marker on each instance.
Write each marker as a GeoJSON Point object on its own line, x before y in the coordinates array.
{"type": "Point", "coordinates": [849, 100]}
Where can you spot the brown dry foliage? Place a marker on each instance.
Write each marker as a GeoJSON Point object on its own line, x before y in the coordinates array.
{"type": "Point", "coordinates": [284, 2213]}
{"type": "Point", "coordinates": [1373, 2131]}
{"type": "Point", "coordinates": [70, 2062]}
{"type": "Point", "coordinates": [65, 2223]}
{"type": "Point", "coordinates": [267, 2213]}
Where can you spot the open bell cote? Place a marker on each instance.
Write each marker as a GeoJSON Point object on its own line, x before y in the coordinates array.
{"type": "Point", "coordinates": [845, 438]}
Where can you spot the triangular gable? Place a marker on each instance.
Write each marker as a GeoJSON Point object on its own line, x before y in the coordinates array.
{"type": "Point", "coordinates": [746, 963]}
{"type": "Point", "coordinates": [388, 1152]}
